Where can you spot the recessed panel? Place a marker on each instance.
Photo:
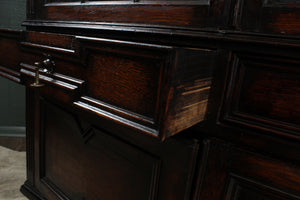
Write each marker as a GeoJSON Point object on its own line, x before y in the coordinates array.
{"type": "Point", "coordinates": [124, 81]}
{"type": "Point", "coordinates": [265, 94]}
{"type": "Point", "coordinates": [230, 173]}
{"type": "Point", "coordinates": [270, 16]}
{"type": "Point", "coordinates": [240, 188]}
{"type": "Point", "coordinates": [86, 163]}
{"type": "Point", "coordinates": [271, 94]}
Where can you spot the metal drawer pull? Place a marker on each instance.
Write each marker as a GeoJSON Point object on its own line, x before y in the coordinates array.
{"type": "Point", "coordinates": [46, 66]}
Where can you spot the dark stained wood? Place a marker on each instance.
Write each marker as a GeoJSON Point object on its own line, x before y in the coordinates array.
{"type": "Point", "coordinates": [14, 143]}
{"type": "Point", "coordinates": [160, 100]}
{"type": "Point", "coordinates": [141, 84]}
{"type": "Point", "coordinates": [265, 93]}
{"type": "Point", "coordinates": [191, 86]}
{"type": "Point", "coordinates": [135, 79]}
{"type": "Point", "coordinates": [59, 86]}
{"type": "Point", "coordinates": [231, 173]}
{"type": "Point", "coordinates": [98, 152]}
{"type": "Point", "coordinates": [49, 39]}
{"type": "Point", "coordinates": [10, 54]}
{"type": "Point", "coordinates": [195, 14]}
{"type": "Point", "coordinates": [270, 16]}
{"type": "Point", "coordinates": [81, 146]}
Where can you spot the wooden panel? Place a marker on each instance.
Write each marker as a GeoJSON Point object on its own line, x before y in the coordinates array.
{"type": "Point", "coordinates": [269, 16]}
{"type": "Point", "coordinates": [49, 39]}
{"type": "Point", "coordinates": [240, 188]}
{"type": "Point", "coordinates": [124, 78]}
{"type": "Point", "coordinates": [157, 89]}
{"type": "Point", "coordinates": [91, 164]}
{"type": "Point", "coordinates": [231, 173]}
{"type": "Point", "coordinates": [191, 87]}
{"type": "Point", "coordinates": [129, 82]}
{"type": "Point", "coordinates": [123, 74]}
{"type": "Point", "coordinates": [192, 13]}
{"type": "Point", "coordinates": [61, 1]}
{"type": "Point", "coordinates": [264, 93]}
{"type": "Point", "coordinates": [140, 14]}
{"type": "Point", "coordinates": [42, 44]}
{"type": "Point", "coordinates": [10, 54]}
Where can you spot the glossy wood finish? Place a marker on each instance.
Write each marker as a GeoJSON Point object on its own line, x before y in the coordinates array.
{"type": "Point", "coordinates": [141, 84]}
{"type": "Point", "coordinates": [270, 16]}
{"type": "Point", "coordinates": [9, 61]}
{"type": "Point", "coordinates": [231, 173]}
{"type": "Point", "coordinates": [264, 93]}
{"type": "Point", "coordinates": [191, 14]}
{"type": "Point", "coordinates": [152, 104]}
{"type": "Point", "coordinates": [74, 168]}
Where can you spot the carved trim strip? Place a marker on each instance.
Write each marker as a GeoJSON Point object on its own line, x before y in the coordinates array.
{"type": "Point", "coordinates": [54, 189]}
{"type": "Point", "coordinates": [280, 3]}
{"type": "Point", "coordinates": [59, 80]}
{"type": "Point", "coordinates": [238, 10]}
{"type": "Point", "coordinates": [188, 33]}
{"type": "Point", "coordinates": [10, 74]}
{"type": "Point", "coordinates": [203, 168]}
{"type": "Point", "coordinates": [237, 182]}
{"type": "Point", "coordinates": [116, 118]}
{"type": "Point", "coordinates": [50, 80]}
{"type": "Point", "coordinates": [130, 3]}
{"type": "Point", "coordinates": [120, 111]}
{"type": "Point", "coordinates": [29, 191]}
{"type": "Point", "coordinates": [46, 47]}
{"type": "Point", "coordinates": [50, 39]}
{"type": "Point", "coordinates": [90, 43]}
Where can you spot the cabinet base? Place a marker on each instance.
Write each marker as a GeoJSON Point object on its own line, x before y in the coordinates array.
{"type": "Point", "coordinates": [30, 192]}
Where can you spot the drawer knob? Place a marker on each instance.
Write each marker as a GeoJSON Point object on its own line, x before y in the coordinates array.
{"type": "Point", "coordinates": [45, 66]}
{"type": "Point", "coordinates": [37, 76]}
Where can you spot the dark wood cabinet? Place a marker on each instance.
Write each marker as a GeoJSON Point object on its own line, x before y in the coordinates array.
{"type": "Point", "coordinates": [77, 159]}
{"type": "Point", "coordinates": [159, 99]}
{"type": "Point", "coordinates": [232, 173]}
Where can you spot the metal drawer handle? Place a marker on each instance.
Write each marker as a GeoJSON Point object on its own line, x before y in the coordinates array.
{"type": "Point", "coordinates": [46, 66]}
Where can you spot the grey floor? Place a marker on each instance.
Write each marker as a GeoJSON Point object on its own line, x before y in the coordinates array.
{"type": "Point", "coordinates": [12, 174]}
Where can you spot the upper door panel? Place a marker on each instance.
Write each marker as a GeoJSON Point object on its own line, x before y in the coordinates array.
{"type": "Point", "coordinates": [191, 14]}
{"type": "Point", "coordinates": [268, 16]}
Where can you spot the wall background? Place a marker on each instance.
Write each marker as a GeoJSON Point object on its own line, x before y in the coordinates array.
{"type": "Point", "coordinates": [12, 14]}
{"type": "Point", "coordinates": [12, 95]}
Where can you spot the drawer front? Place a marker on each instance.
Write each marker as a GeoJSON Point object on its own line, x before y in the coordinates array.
{"type": "Point", "coordinates": [130, 82]}
{"type": "Point", "coordinates": [151, 88]}
{"type": "Point", "coordinates": [116, 79]}
{"type": "Point", "coordinates": [155, 89]}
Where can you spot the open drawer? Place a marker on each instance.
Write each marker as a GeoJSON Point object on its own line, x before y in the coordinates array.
{"type": "Point", "coordinates": [155, 89]}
